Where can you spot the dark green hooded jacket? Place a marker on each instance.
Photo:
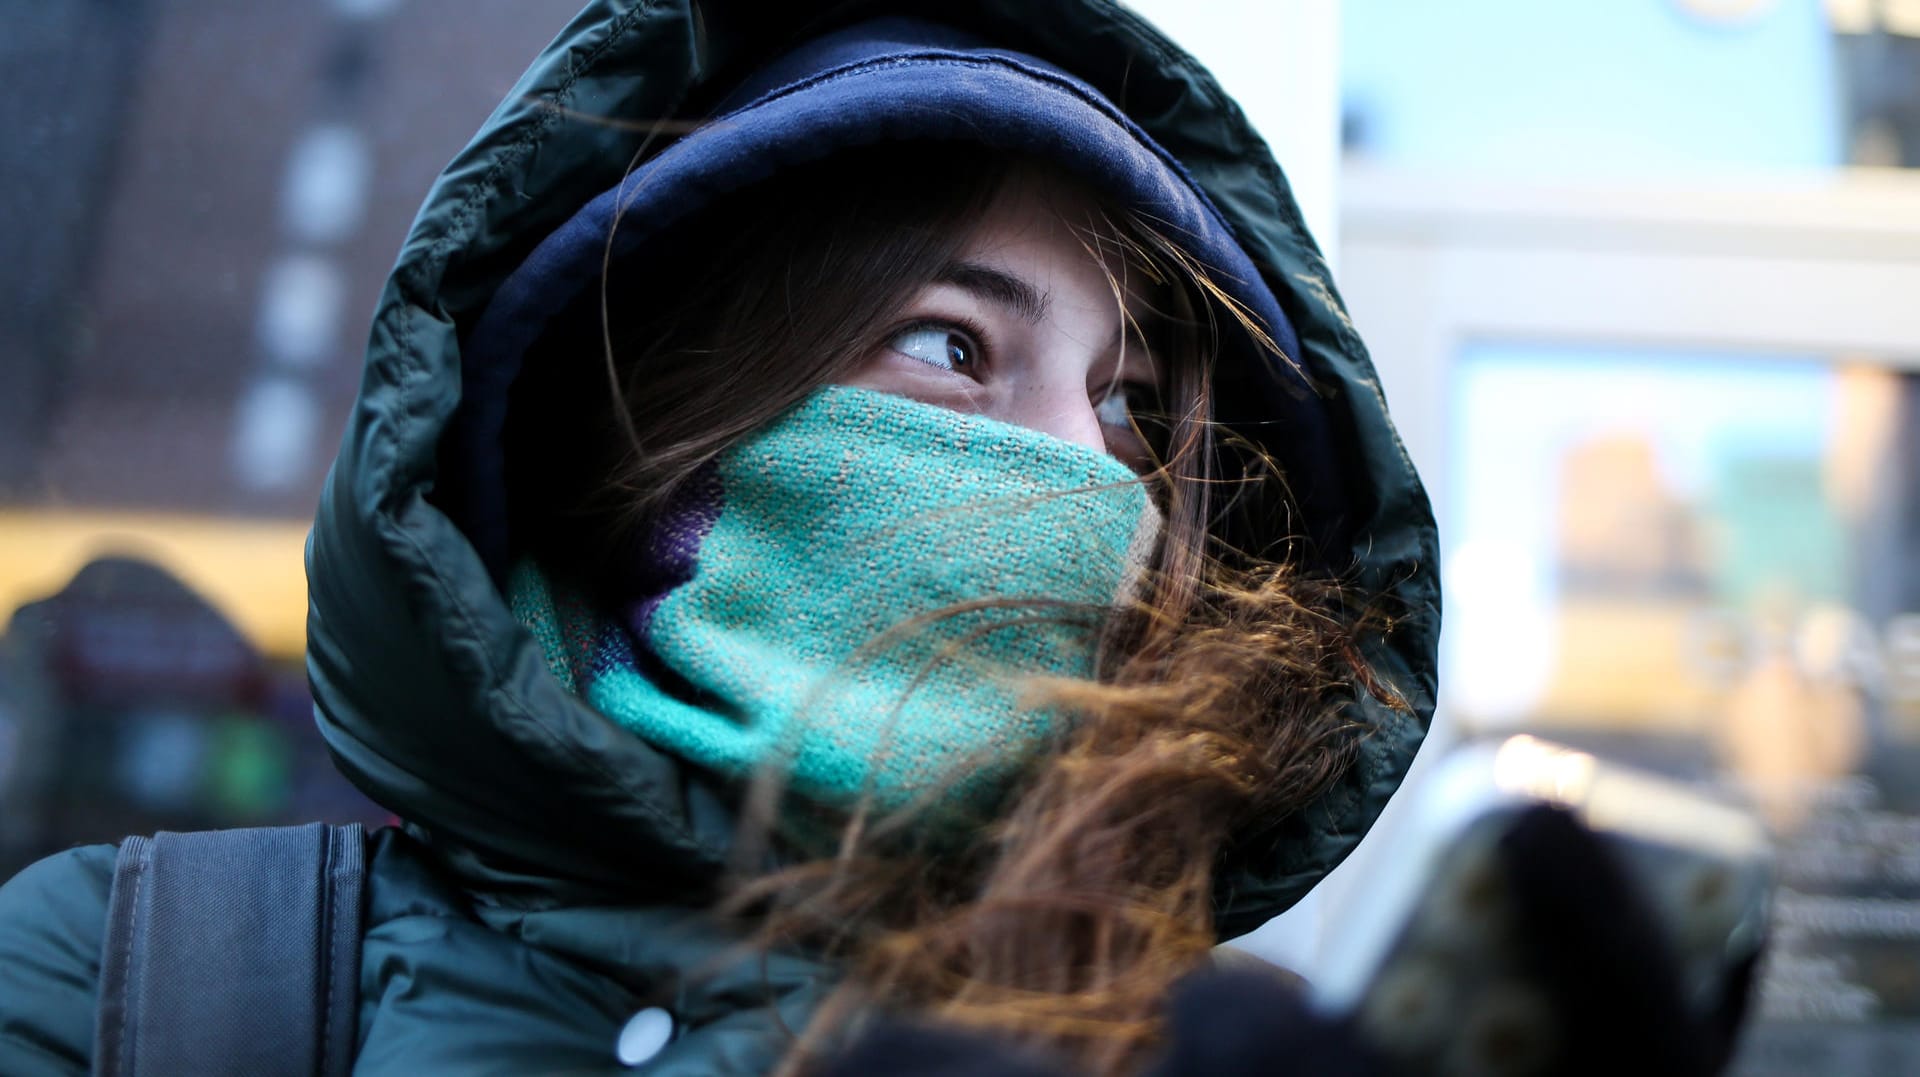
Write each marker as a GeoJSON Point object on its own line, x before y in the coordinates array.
{"type": "Point", "coordinates": [551, 877]}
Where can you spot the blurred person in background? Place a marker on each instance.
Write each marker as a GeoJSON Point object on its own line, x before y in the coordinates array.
{"type": "Point", "coordinates": [848, 514]}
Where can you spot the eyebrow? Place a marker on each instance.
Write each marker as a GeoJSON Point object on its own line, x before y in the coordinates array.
{"type": "Point", "coordinates": [999, 286]}
{"type": "Point", "coordinates": [1026, 301]}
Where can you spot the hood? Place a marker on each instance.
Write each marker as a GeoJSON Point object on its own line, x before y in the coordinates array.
{"type": "Point", "coordinates": [434, 699]}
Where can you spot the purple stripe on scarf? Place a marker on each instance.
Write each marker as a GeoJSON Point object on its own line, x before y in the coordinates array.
{"type": "Point", "coordinates": [668, 555]}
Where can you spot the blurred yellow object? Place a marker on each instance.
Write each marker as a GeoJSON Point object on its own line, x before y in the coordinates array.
{"type": "Point", "coordinates": [1785, 735]}
{"type": "Point", "coordinates": [1623, 665]}
{"type": "Point", "coordinates": [253, 571]}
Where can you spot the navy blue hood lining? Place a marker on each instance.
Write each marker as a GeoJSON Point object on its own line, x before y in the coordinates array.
{"type": "Point", "coordinates": [887, 80]}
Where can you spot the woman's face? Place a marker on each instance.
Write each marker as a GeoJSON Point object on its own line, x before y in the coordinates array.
{"type": "Point", "coordinates": [1029, 326]}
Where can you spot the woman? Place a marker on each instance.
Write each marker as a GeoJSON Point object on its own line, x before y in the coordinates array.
{"type": "Point", "coordinates": [547, 630]}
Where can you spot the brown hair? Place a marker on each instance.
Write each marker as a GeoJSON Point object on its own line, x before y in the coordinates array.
{"type": "Point", "coordinates": [1218, 706]}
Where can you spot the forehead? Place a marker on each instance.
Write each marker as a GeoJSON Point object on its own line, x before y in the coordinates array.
{"type": "Point", "coordinates": [1048, 223]}
{"type": "Point", "coordinates": [1036, 203]}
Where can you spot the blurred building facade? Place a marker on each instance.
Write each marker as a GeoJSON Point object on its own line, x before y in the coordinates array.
{"type": "Point", "coordinates": [212, 195]}
{"type": "Point", "coordinates": [204, 199]}
{"type": "Point", "coordinates": [1638, 279]}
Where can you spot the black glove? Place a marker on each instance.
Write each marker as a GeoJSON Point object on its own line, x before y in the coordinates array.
{"type": "Point", "coordinates": [1594, 946]}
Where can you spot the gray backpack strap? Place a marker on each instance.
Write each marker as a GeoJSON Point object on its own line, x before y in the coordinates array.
{"type": "Point", "coordinates": [233, 952]}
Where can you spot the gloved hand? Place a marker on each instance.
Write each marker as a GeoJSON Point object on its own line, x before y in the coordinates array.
{"type": "Point", "coordinates": [1596, 949]}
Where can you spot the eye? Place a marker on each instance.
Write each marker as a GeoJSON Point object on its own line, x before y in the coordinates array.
{"type": "Point", "coordinates": [1124, 402]}
{"type": "Point", "coordinates": [942, 346]}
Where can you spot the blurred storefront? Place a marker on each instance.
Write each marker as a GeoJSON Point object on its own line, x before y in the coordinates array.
{"type": "Point", "coordinates": [133, 706]}
{"type": "Point", "coordinates": [1640, 284]}
{"type": "Point", "coordinates": [204, 198]}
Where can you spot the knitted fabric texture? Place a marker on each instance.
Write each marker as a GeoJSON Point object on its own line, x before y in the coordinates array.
{"type": "Point", "coordinates": [856, 592]}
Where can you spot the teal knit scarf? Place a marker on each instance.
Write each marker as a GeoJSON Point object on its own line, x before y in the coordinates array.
{"type": "Point", "coordinates": [856, 592]}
